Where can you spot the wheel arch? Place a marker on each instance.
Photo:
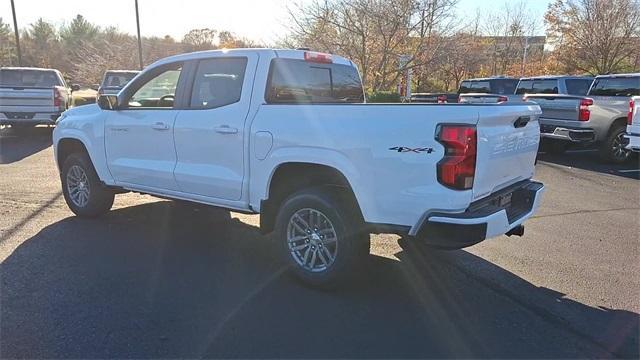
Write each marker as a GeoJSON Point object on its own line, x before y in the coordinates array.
{"type": "Point", "coordinates": [619, 122]}
{"type": "Point", "coordinates": [67, 146]}
{"type": "Point", "coordinates": [286, 179]}
{"type": "Point", "coordinates": [69, 143]}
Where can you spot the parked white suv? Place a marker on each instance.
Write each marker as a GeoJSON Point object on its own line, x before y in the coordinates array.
{"type": "Point", "coordinates": [286, 133]}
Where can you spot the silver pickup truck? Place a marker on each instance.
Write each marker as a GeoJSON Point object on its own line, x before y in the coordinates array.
{"type": "Point", "coordinates": [598, 118]}
{"type": "Point", "coordinates": [32, 96]}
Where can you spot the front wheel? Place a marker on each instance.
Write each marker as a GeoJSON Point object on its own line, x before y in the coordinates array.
{"type": "Point", "coordinates": [614, 147]}
{"type": "Point", "coordinates": [85, 195]}
{"type": "Point", "coordinates": [321, 236]}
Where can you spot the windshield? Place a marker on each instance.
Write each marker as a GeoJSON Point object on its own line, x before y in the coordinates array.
{"type": "Point", "coordinates": [29, 78]}
{"type": "Point", "coordinates": [616, 86]}
{"type": "Point", "coordinates": [117, 79]}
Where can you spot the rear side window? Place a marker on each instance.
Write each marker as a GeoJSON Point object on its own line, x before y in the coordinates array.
{"type": "Point", "coordinates": [29, 78]}
{"type": "Point", "coordinates": [503, 86]}
{"type": "Point", "coordinates": [294, 81]}
{"type": "Point", "coordinates": [578, 86]}
{"type": "Point", "coordinates": [218, 82]}
{"type": "Point", "coordinates": [616, 86]}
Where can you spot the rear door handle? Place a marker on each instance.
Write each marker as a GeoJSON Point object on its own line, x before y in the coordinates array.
{"type": "Point", "coordinates": [160, 126]}
{"type": "Point", "coordinates": [226, 129]}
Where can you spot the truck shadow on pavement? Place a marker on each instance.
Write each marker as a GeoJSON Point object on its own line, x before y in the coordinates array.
{"type": "Point", "coordinates": [17, 144]}
{"type": "Point", "coordinates": [166, 280]}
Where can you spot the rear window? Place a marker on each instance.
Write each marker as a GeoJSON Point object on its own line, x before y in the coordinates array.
{"type": "Point", "coordinates": [504, 86]}
{"type": "Point", "coordinates": [497, 86]}
{"type": "Point", "coordinates": [616, 86]}
{"type": "Point", "coordinates": [29, 78]}
{"type": "Point", "coordinates": [578, 86]}
{"type": "Point", "coordinates": [546, 86]}
{"type": "Point", "coordinates": [302, 82]}
{"type": "Point", "coordinates": [474, 87]}
{"type": "Point", "coordinates": [117, 79]}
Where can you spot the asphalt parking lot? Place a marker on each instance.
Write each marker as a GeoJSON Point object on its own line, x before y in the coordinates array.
{"type": "Point", "coordinates": [157, 278]}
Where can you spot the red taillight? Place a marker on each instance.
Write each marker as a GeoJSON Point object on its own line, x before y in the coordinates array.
{"type": "Point", "coordinates": [502, 99]}
{"type": "Point", "coordinates": [584, 113]}
{"type": "Point", "coordinates": [442, 99]}
{"type": "Point", "coordinates": [458, 167]}
{"type": "Point", "coordinates": [632, 104]}
{"type": "Point", "coordinates": [57, 97]}
{"type": "Point", "coordinates": [317, 57]}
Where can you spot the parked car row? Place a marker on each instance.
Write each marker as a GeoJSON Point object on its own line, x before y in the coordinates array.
{"type": "Point", "coordinates": [35, 96]}
{"type": "Point", "coordinates": [576, 110]}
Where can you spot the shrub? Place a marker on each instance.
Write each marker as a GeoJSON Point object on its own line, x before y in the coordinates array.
{"type": "Point", "coordinates": [383, 97]}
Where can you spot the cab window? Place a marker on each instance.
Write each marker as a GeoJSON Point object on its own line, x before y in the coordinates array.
{"type": "Point", "coordinates": [218, 82]}
{"type": "Point", "coordinates": [158, 92]}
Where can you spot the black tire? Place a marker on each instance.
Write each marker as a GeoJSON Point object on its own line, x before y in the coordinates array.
{"type": "Point", "coordinates": [99, 198]}
{"type": "Point", "coordinates": [352, 243]}
{"type": "Point", "coordinates": [612, 149]}
{"type": "Point", "coordinates": [556, 147]}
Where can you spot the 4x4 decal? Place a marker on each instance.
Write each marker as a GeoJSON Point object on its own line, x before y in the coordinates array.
{"type": "Point", "coordinates": [404, 149]}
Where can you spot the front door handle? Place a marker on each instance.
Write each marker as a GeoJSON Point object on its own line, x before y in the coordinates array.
{"type": "Point", "coordinates": [160, 126]}
{"type": "Point", "coordinates": [226, 129]}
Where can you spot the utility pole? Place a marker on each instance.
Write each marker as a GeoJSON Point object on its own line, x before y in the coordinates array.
{"type": "Point", "coordinates": [15, 28]}
{"type": "Point", "coordinates": [524, 55]}
{"type": "Point", "coordinates": [139, 39]}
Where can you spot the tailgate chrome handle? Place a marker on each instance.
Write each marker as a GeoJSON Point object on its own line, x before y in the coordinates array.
{"type": "Point", "coordinates": [522, 121]}
{"type": "Point", "coordinates": [226, 129]}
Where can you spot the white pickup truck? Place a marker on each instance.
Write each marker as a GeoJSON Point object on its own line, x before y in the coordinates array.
{"type": "Point", "coordinates": [286, 133]}
{"type": "Point", "coordinates": [633, 125]}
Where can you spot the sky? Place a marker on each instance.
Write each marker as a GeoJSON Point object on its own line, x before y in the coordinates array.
{"type": "Point", "coordinates": [264, 21]}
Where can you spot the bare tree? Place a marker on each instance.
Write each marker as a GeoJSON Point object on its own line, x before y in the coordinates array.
{"type": "Point", "coordinates": [595, 36]}
{"type": "Point", "coordinates": [508, 31]}
{"type": "Point", "coordinates": [374, 33]}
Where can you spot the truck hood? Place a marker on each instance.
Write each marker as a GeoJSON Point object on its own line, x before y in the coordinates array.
{"type": "Point", "coordinates": [83, 110]}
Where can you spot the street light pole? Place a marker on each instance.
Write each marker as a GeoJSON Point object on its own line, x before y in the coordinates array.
{"type": "Point", "coordinates": [139, 39]}
{"type": "Point", "coordinates": [15, 28]}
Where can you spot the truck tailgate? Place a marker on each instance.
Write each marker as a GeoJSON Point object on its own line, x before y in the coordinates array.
{"type": "Point", "coordinates": [24, 99]}
{"type": "Point", "coordinates": [508, 138]}
{"type": "Point", "coordinates": [558, 107]}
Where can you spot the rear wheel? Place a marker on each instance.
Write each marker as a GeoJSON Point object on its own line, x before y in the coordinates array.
{"type": "Point", "coordinates": [321, 236]}
{"type": "Point", "coordinates": [85, 195]}
{"type": "Point", "coordinates": [613, 149]}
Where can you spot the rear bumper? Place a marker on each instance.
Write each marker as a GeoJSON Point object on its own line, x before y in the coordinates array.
{"type": "Point", "coordinates": [634, 142]}
{"type": "Point", "coordinates": [492, 216]}
{"type": "Point", "coordinates": [28, 118]}
{"type": "Point", "coordinates": [576, 135]}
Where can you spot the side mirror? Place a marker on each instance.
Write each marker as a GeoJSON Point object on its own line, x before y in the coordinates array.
{"type": "Point", "coordinates": [75, 87]}
{"type": "Point", "coordinates": [95, 87]}
{"type": "Point", "coordinates": [108, 102]}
